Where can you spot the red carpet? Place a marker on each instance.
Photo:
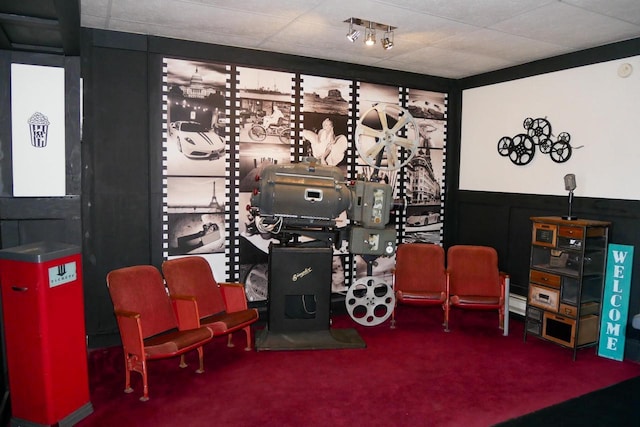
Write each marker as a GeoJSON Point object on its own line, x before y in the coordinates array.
{"type": "Point", "coordinates": [413, 375]}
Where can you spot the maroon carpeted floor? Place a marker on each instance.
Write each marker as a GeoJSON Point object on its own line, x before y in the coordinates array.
{"type": "Point", "coordinates": [413, 375]}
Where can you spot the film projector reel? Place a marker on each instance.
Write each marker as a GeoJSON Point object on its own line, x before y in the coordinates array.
{"type": "Point", "coordinates": [370, 301]}
{"type": "Point", "coordinates": [387, 138]}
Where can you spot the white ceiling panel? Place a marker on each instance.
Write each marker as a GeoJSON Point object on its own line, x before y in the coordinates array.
{"type": "Point", "coordinates": [568, 26]}
{"type": "Point", "coordinates": [453, 38]}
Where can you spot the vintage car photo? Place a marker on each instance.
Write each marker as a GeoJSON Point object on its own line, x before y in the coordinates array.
{"type": "Point", "coordinates": [197, 141]}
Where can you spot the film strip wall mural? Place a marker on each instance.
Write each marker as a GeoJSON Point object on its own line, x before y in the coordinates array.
{"type": "Point", "coordinates": [267, 111]}
{"type": "Point", "coordinates": [223, 124]}
{"type": "Point", "coordinates": [198, 209]}
{"type": "Point", "coordinates": [424, 174]}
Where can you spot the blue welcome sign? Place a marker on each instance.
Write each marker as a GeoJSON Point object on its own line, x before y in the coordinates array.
{"type": "Point", "coordinates": [615, 302]}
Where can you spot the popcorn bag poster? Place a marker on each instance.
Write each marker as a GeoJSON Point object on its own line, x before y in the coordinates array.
{"type": "Point", "coordinates": [38, 131]}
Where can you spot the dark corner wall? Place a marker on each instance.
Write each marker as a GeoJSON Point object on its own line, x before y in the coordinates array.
{"type": "Point", "coordinates": [121, 154]}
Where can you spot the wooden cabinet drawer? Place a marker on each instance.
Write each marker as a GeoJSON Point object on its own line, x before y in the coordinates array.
{"type": "Point", "coordinates": [544, 278]}
{"type": "Point", "coordinates": [568, 310]}
{"type": "Point", "coordinates": [572, 310]}
{"type": "Point", "coordinates": [543, 297]}
{"type": "Point", "coordinates": [573, 232]}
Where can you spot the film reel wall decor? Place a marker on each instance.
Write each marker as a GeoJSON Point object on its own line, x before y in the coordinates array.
{"type": "Point", "coordinates": [521, 148]}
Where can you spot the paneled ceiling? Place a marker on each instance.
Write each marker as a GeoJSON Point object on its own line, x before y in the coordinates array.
{"type": "Point", "coordinates": [447, 38]}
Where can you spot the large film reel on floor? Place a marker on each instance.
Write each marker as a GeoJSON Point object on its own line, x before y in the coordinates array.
{"type": "Point", "coordinates": [387, 137]}
{"type": "Point", "coordinates": [370, 301]}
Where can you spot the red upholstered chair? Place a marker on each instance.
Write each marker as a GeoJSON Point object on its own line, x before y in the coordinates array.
{"type": "Point", "coordinates": [147, 323]}
{"type": "Point", "coordinates": [419, 277]}
{"type": "Point", "coordinates": [201, 301]}
{"type": "Point", "coordinates": [475, 282]}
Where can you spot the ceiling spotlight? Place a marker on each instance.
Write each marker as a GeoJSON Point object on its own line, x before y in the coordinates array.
{"type": "Point", "coordinates": [352, 35]}
{"type": "Point", "coordinates": [370, 36]}
{"type": "Point", "coordinates": [387, 40]}
{"type": "Point", "coordinates": [359, 26]}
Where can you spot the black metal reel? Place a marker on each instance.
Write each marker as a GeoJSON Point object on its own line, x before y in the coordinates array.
{"type": "Point", "coordinates": [505, 146]}
{"type": "Point", "coordinates": [523, 150]}
{"type": "Point", "coordinates": [539, 131]}
{"type": "Point", "coordinates": [545, 146]}
{"type": "Point", "coordinates": [564, 137]}
{"type": "Point", "coordinates": [560, 151]}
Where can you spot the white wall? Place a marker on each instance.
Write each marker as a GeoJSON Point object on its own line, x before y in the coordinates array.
{"type": "Point", "coordinates": [598, 108]}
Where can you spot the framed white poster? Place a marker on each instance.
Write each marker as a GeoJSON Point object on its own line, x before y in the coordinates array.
{"type": "Point", "coordinates": [38, 131]}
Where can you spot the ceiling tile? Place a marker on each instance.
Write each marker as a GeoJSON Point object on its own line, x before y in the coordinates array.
{"type": "Point", "coordinates": [551, 24]}
{"type": "Point", "coordinates": [625, 10]}
{"type": "Point", "coordinates": [475, 12]}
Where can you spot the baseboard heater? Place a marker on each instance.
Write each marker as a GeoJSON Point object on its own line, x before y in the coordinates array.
{"type": "Point", "coordinates": [517, 304]}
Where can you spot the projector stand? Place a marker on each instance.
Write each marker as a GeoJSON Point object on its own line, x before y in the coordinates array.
{"type": "Point", "coordinates": [300, 302]}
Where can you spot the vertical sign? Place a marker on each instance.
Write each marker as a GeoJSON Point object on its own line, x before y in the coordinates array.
{"type": "Point", "coordinates": [615, 302]}
{"type": "Point", "coordinates": [37, 131]}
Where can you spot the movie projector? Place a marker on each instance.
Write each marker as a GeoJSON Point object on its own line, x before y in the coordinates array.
{"type": "Point", "coordinates": [306, 199]}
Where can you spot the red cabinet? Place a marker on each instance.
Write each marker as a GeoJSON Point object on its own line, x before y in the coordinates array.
{"type": "Point", "coordinates": [43, 319]}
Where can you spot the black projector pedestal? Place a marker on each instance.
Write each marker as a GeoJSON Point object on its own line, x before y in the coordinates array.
{"type": "Point", "coordinates": [300, 302]}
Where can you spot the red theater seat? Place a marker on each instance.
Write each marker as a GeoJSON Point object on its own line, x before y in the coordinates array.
{"type": "Point", "coordinates": [147, 323]}
{"type": "Point", "coordinates": [419, 277]}
{"type": "Point", "coordinates": [201, 301]}
{"type": "Point", "coordinates": [474, 280]}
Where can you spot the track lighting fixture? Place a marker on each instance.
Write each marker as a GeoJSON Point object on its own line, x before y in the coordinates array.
{"type": "Point", "coordinates": [370, 28]}
{"type": "Point", "coordinates": [370, 36]}
{"type": "Point", "coordinates": [352, 35]}
{"type": "Point", "coordinates": [387, 39]}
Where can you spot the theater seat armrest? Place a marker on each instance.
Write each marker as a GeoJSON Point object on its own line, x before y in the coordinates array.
{"type": "Point", "coordinates": [130, 331]}
{"type": "Point", "coordinates": [234, 296]}
{"type": "Point", "coordinates": [127, 314]}
{"type": "Point", "coordinates": [186, 309]}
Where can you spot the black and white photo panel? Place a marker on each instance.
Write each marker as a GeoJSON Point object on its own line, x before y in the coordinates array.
{"type": "Point", "coordinates": [194, 158]}
{"type": "Point", "coordinates": [372, 99]}
{"type": "Point", "coordinates": [264, 99]}
{"type": "Point", "coordinates": [425, 173]}
{"type": "Point", "coordinates": [195, 110]}
{"type": "Point", "coordinates": [196, 233]}
{"type": "Point", "coordinates": [325, 111]}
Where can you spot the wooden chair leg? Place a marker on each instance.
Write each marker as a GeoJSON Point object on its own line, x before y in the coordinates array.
{"type": "Point", "coordinates": [183, 363]}
{"type": "Point", "coordinates": [229, 341]}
